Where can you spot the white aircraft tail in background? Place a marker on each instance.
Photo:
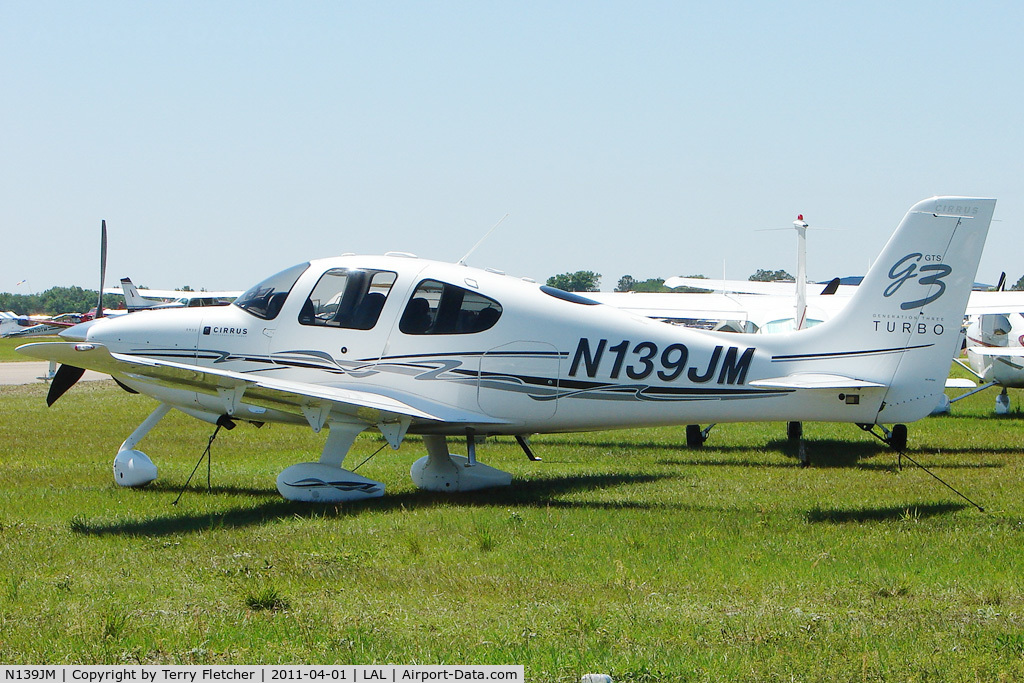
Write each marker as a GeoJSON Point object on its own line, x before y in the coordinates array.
{"type": "Point", "coordinates": [135, 301]}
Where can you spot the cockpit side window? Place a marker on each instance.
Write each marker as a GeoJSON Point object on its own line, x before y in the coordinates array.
{"type": "Point", "coordinates": [441, 308]}
{"type": "Point", "coordinates": [265, 299]}
{"type": "Point", "coordinates": [351, 298]}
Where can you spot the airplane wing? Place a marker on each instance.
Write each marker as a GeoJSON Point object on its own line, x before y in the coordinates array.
{"type": "Point", "coordinates": [755, 287]}
{"type": "Point", "coordinates": [1005, 351]}
{"type": "Point", "coordinates": [176, 293]}
{"type": "Point", "coordinates": [298, 398]}
{"type": "Point", "coordinates": [995, 302]}
{"type": "Point", "coordinates": [674, 306]}
{"type": "Point", "coordinates": [738, 286]}
{"type": "Point", "coordinates": [814, 380]}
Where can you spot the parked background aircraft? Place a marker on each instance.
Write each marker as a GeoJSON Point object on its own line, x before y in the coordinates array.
{"type": "Point", "coordinates": [765, 307]}
{"type": "Point", "coordinates": [404, 345]}
{"type": "Point", "coordinates": [141, 299]}
{"type": "Point", "coordinates": [13, 325]}
{"type": "Point", "coordinates": [995, 354]}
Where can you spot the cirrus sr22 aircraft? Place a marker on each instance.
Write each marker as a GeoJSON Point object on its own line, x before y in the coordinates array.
{"type": "Point", "coordinates": [408, 346]}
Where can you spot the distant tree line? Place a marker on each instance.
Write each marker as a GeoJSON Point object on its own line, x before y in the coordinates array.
{"type": "Point", "coordinates": [56, 300]}
{"type": "Point", "coordinates": [580, 281]}
{"type": "Point", "coordinates": [763, 275]}
{"type": "Point", "coordinates": [589, 281]}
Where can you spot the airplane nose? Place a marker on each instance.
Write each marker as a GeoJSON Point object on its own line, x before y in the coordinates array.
{"type": "Point", "coordinates": [78, 332]}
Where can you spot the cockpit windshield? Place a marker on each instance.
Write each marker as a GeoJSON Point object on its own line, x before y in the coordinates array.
{"type": "Point", "coordinates": [265, 299]}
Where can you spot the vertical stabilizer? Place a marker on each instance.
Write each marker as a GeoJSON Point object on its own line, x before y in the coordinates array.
{"type": "Point", "coordinates": [134, 301]}
{"type": "Point", "coordinates": [902, 326]}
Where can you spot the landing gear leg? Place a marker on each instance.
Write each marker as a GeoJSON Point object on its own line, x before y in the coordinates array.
{"type": "Point", "coordinates": [134, 468]}
{"type": "Point", "coordinates": [695, 436]}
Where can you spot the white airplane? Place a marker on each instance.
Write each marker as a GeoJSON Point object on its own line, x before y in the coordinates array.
{"type": "Point", "coordinates": [136, 299]}
{"type": "Point", "coordinates": [402, 345]}
{"type": "Point", "coordinates": [10, 322]}
{"type": "Point", "coordinates": [995, 354]}
{"type": "Point", "coordinates": [14, 325]}
{"type": "Point", "coordinates": [767, 307]}
{"type": "Point", "coordinates": [732, 308]}
{"type": "Point", "coordinates": [726, 310]}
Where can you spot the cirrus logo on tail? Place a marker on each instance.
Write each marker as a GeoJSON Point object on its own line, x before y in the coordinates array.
{"type": "Point", "coordinates": [907, 268]}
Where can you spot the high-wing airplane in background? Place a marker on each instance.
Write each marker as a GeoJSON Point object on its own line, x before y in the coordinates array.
{"type": "Point", "coordinates": [726, 310]}
{"type": "Point", "coordinates": [766, 307]}
{"type": "Point", "coordinates": [403, 345]}
{"type": "Point", "coordinates": [137, 300]}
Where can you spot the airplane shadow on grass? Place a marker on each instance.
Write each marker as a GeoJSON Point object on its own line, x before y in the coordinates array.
{"type": "Point", "coordinates": [831, 453]}
{"type": "Point", "coordinates": [822, 452]}
{"type": "Point", "coordinates": [542, 493]}
{"type": "Point", "coordinates": [881, 514]}
{"type": "Point", "coordinates": [825, 453]}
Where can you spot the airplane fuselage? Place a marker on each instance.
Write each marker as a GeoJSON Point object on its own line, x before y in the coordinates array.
{"type": "Point", "coordinates": [548, 363]}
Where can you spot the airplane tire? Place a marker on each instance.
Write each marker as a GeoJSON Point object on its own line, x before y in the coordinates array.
{"type": "Point", "coordinates": [794, 430]}
{"type": "Point", "coordinates": [898, 438]}
{"type": "Point", "coordinates": [694, 439]}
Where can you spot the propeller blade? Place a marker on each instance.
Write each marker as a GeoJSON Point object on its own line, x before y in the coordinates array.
{"type": "Point", "coordinates": [103, 267]}
{"type": "Point", "coordinates": [64, 379]}
{"type": "Point", "coordinates": [1001, 287]}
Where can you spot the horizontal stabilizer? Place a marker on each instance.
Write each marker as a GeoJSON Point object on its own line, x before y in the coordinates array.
{"type": "Point", "coordinates": [814, 380]}
{"type": "Point", "coordinates": [960, 383]}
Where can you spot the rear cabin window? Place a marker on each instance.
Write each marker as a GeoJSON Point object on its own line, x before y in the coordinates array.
{"type": "Point", "coordinates": [441, 308]}
{"type": "Point", "coordinates": [348, 298]}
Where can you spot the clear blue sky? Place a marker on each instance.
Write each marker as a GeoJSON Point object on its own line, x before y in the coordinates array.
{"type": "Point", "coordinates": [224, 141]}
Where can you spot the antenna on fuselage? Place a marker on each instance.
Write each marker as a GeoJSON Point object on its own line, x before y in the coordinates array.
{"type": "Point", "coordinates": [801, 226]}
{"type": "Point", "coordinates": [462, 261]}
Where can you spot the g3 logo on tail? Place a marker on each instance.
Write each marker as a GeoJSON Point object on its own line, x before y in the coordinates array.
{"type": "Point", "coordinates": [906, 269]}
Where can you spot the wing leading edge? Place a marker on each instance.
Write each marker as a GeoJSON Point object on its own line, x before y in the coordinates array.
{"type": "Point", "coordinates": [314, 402]}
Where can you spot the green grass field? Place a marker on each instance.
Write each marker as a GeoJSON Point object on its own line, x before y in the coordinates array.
{"type": "Point", "coordinates": [623, 552]}
{"type": "Point", "coordinates": [7, 346]}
